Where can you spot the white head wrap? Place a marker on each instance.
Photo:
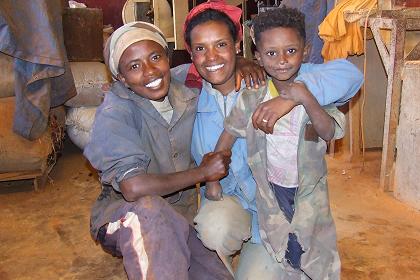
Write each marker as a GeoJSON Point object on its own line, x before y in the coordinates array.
{"type": "Point", "coordinates": [127, 35]}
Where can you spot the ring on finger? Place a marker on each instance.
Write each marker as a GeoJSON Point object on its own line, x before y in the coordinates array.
{"type": "Point", "coordinates": [265, 121]}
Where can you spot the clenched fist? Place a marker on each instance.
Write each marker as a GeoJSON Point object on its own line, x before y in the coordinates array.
{"type": "Point", "coordinates": [215, 165]}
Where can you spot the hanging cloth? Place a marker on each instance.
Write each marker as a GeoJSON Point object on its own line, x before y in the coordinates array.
{"type": "Point", "coordinates": [340, 30]}
{"type": "Point", "coordinates": [32, 33]}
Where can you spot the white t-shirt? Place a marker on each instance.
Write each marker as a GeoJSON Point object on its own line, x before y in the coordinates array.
{"type": "Point", "coordinates": [282, 145]}
{"type": "Point", "coordinates": [164, 108]}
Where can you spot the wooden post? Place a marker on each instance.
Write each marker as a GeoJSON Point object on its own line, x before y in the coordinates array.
{"type": "Point", "coordinates": [392, 105]}
{"type": "Point", "coordinates": [355, 127]}
{"type": "Point", "coordinates": [180, 11]}
{"type": "Point", "coordinates": [393, 58]}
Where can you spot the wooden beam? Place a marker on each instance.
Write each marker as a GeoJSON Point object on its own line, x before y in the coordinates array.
{"type": "Point", "coordinates": [392, 104]}
{"type": "Point", "coordinates": [180, 11]}
{"type": "Point", "coordinates": [384, 4]}
{"type": "Point", "coordinates": [375, 25]}
{"type": "Point", "coordinates": [355, 127]}
{"type": "Point", "coordinates": [20, 175]}
{"type": "Point", "coordinates": [414, 53]}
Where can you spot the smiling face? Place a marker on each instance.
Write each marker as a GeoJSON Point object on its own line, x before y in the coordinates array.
{"type": "Point", "coordinates": [213, 52]}
{"type": "Point", "coordinates": [281, 51]}
{"type": "Point", "coordinates": [144, 68]}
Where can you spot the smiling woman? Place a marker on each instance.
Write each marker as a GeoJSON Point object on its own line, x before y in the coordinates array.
{"type": "Point", "coordinates": [144, 68]}
{"type": "Point", "coordinates": [213, 33]}
{"type": "Point", "coordinates": [140, 144]}
{"type": "Point", "coordinates": [213, 52]}
{"type": "Point", "coordinates": [213, 37]}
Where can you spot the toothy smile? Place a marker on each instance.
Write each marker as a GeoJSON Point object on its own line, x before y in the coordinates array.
{"type": "Point", "coordinates": [214, 67]}
{"type": "Point", "coordinates": [154, 83]}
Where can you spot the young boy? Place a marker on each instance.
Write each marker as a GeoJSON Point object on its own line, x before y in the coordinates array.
{"type": "Point", "coordinates": [140, 145]}
{"type": "Point", "coordinates": [295, 221]}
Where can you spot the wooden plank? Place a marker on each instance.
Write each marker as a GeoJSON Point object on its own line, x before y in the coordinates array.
{"type": "Point", "coordinates": [247, 44]}
{"type": "Point", "coordinates": [393, 58]}
{"type": "Point", "coordinates": [412, 24]}
{"type": "Point", "coordinates": [163, 19]}
{"type": "Point", "coordinates": [407, 164]}
{"type": "Point", "coordinates": [355, 127]}
{"type": "Point", "coordinates": [375, 25]}
{"type": "Point", "coordinates": [414, 53]}
{"type": "Point", "coordinates": [180, 11]}
{"type": "Point", "coordinates": [20, 175]}
{"type": "Point", "coordinates": [405, 13]}
{"type": "Point", "coordinates": [234, 2]}
{"type": "Point", "coordinates": [384, 4]}
{"type": "Point", "coordinates": [392, 105]}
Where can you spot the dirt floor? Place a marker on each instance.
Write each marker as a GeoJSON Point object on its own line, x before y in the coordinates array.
{"type": "Point", "coordinates": [45, 235]}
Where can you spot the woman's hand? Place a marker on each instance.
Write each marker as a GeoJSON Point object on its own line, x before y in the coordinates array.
{"type": "Point", "coordinates": [215, 165]}
{"type": "Point", "coordinates": [213, 191]}
{"type": "Point", "coordinates": [249, 71]}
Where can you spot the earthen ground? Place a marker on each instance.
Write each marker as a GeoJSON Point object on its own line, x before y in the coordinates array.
{"type": "Point", "coordinates": [45, 235]}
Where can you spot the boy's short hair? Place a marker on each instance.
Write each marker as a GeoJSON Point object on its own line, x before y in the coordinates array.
{"type": "Point", "coordinates": [279, 17]}
{"type": "Point", "coordinates": [210, 15]}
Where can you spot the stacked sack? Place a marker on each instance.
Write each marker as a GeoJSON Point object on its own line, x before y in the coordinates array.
{"type": "Point", "coordinates": [89, 78]}
{"type": "Point", "coordinates": [89, 71]}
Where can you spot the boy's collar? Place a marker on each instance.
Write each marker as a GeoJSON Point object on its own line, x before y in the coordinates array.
{"type": "Point", "coordinates": [272, 89]}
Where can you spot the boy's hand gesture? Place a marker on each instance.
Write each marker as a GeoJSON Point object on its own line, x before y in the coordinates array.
{"type": "Point", "coordinates": [215, 165]}
{"type": "Point", "coordinates": [267, 113]}
{"type": "Point", "coordinates": [213, 191]}
{"type": "Point", "coordinates": [296, 92]}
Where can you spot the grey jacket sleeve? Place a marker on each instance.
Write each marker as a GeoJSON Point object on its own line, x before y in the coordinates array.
{"type": "Point", "coordinates": [179, 72]}
{"type": "Point", "coordinates": [115, 148]}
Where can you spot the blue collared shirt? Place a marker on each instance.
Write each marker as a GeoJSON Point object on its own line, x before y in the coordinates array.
{"type": "Point", "coordinates": [207, 128]}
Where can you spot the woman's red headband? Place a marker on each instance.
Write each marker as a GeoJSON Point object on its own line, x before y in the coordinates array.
{"type": "Point", "coordinates": [234, 13]}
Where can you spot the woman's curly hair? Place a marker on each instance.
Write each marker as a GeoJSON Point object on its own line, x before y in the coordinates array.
{"type": "Point", "coordinates": [279, 17]}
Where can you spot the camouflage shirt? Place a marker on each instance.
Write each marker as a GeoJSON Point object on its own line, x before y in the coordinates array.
{"type": "Point", "coordinates": [312, 221]}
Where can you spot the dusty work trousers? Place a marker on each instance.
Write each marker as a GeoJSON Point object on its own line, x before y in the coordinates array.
{"type": "Point", "coordinates": [156, 242]}
{"type": "Point", "coordinates": [224, 226]}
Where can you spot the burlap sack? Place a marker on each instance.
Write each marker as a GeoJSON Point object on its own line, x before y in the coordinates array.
{"type": "Point", "coordinates": [88, 78]}
{"type": "Point", "coordinates": [17, 153]}
{"type": "Point", "coordinates": [7, 77]}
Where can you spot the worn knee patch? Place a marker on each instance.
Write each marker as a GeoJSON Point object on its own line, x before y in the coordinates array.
{"type": "Point", "coordinates": [223, 225]}
{"type": "Point", "coordinates": [150, 206]}
{"type": "Point", "coordinates": [256, 263]}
